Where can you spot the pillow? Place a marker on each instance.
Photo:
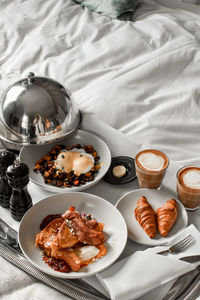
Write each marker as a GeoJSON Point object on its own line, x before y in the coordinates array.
{"type": "Point", "coordinates": [110, 8]}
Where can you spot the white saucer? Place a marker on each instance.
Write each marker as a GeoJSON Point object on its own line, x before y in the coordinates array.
{"type": "Point", "coordinates": [156, 198]}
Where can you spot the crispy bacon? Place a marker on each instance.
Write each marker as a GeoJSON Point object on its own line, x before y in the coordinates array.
{"type": "Point", "coordinates": [61, 237]}
{"type": "Point", "coordinates": [91, 223]}
{"type": "Point", "coordinates": [84, 233]}
{"type": "Point", "coordinates": [65, 237]}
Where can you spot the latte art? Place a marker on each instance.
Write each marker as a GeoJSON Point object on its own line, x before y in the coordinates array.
{"type": "Point", "coordinates": [150, 166]}
{"type": "Point", "coordinates": [192, 179]}
{"type": "Point", "coordinates": [188, 186]}
{"type": "Point", "coordinates": [151, 161]}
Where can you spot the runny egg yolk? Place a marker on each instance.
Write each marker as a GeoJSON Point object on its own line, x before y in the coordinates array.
{"type": "Point", "coordinates": [79, 162]}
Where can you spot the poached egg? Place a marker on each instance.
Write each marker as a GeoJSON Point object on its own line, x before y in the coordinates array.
{"type": "Point", "coordinates": [76, 159]}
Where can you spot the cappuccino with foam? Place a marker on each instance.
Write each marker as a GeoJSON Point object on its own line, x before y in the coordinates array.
{"type": "Point", "coordinates": [150, 168]}
{"type": "Point", "coordinates": [188, 186]}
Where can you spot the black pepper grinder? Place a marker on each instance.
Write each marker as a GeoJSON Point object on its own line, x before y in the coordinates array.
{"type": "Point", "coordinates": [6, 158]}
{"type": "Point", "coordinates": [20, 200]}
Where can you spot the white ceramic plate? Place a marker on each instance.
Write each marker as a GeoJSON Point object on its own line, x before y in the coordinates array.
{"type": "Point", "coordinates": [156, 198]}
{"type": "Point", "coordinates": [31, 154]}
{"type": "Point", "coordinates": [115, 229]}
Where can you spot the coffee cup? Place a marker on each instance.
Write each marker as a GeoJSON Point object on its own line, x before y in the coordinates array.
{"type": "Point", "coordinates": [188, 186]}
{"type": "Point", "coordinates": [151, 165]}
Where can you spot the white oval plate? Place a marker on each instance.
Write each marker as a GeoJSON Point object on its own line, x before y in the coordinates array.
{"type": "Point", "coordinates": [156, 198]}
{"type": "Point", "coordinates": [114, 227]}
{"type": "Point", "coordinates": [31, 154]}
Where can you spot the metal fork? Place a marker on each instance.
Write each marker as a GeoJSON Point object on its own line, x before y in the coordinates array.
{"type": "Point", "coordinates": [178, 247]}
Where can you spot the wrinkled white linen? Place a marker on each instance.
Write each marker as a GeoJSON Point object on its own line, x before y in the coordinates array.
{"type": "Point", "coordinates": [140, 77]}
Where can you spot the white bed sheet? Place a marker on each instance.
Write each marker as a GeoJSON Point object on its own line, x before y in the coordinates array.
{"type": "Point", "coordinates": [140, 77]}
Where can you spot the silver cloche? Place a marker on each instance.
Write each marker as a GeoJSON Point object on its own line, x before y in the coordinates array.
{"type": "Point", "coordinates": [37, 110]}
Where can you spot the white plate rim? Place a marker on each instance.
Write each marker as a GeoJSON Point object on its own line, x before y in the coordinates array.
{"type": "Point", "coordinates": [72, 275]}
{"type": "Point", "coordinates": [59, 190]}
{"type": "Point", "coordinates": [154, 243]}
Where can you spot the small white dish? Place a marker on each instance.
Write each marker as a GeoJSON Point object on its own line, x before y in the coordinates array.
{"type": "Point", "coordinates": [114, 227]}
{"type": "Point", "coordinates": [31, 154]}
{"type": "Point", "coordinates": [156, 198]}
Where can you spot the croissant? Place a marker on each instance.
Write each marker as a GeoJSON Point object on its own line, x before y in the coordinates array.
{"type": "Point", "coordinates": [146, 216]}
{"type": "Point", "coordinates": [166, 216]}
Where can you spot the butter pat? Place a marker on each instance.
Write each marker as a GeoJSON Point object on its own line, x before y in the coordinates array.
{"type": "Point", "coordinates": [119, 171]}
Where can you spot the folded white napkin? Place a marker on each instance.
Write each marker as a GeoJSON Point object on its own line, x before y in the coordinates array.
{"type": "Point", "coordinates": [144, 271]}
{"type": "Point", "coordinates": [139, 273]}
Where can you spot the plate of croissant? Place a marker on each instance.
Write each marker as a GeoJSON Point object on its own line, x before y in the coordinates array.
{"type": "Point", "coordinates": [152, 216]}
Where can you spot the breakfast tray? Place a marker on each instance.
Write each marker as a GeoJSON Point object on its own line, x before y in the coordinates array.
{"type": "Point", "coordinates": [120, 145]}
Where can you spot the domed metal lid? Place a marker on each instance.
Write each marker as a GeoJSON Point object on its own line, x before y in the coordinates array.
{"type": "Point", "coordinates": [37, 110]}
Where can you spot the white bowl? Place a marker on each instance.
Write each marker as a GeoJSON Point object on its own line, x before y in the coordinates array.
{"type": "Point", "coordinates": [31, 154]}
{"type": "Point", "coordinates": [114, 227]}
